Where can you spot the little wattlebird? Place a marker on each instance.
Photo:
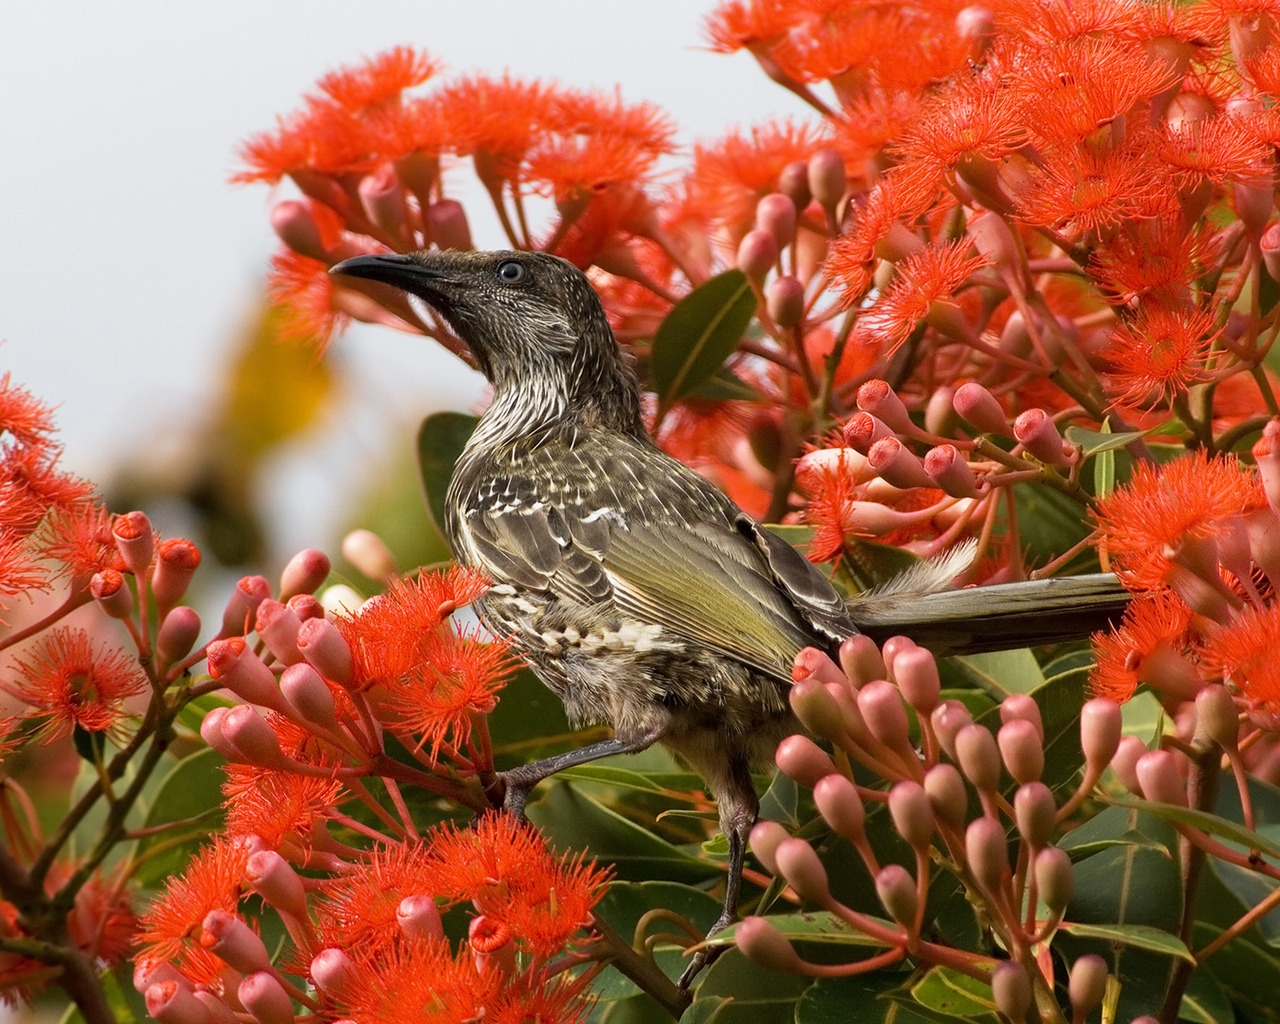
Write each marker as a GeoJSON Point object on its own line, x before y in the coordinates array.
{"type": "Point", "coordinates": [635, 589]}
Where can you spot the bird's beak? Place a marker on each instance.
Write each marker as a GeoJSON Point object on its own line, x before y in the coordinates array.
{"type": "Point", "coordinates": [395, 269]}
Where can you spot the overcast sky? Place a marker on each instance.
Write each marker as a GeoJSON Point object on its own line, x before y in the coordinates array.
{"type": "Point", "coordinates": [127, 262]}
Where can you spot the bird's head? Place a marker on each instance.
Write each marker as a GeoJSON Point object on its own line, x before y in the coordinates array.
{"type": "Point", "coordinates": [532, 320]}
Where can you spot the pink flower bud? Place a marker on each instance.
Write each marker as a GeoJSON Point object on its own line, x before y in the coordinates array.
{"type": "Point", "coordinates": [892, 648]}
{"type": "Point", "coordinates": [939, 412]}
{"type": "Point", "coordinates": [978, 406]}
{"type": "Point", "coordinates": [976, 24]}
{"type": "Point", "coordinates": [1254, 203]}
{"type": "Point", "coordinates": [1022, 706]}
{"type": "Point", "coordinates": [109, 590]}
{"type": "Point", "coordinates": [1217, 716]}
{"type": "Point", "coordinates": [995, 240]}
{"type": "Point", "coordinates": [334, 973]}
{"type": "Point", "coordinates": [382, 197]}
{"type": "Point", "coordinates": [492, 945]}
{"type": "Point", "coordinates": [304, 574]}
{"type": "Point", "coordinates": [784, 300]}
{"type": "Point", "coordinates": [1021, 749]}
{"type": "Point", "coordinates": [765, 946]}
{"type": "Point", "coordinates": [885, 714]}
{"type": "Point", "coordinates": [134, 540]}
{"type": "Point", "coordinates": [265, 999]}
{"type": "Point", "coordinates": [212, 731]}
{"type": "Point", "coordinates": [986, 853]}
{"type": "Point", "coordinates": [765, 838]}
{"type": "Point", "coordinates": [817, 710]}
{"type": "Point", "coordinates": [278, 624]}
{"type": "Point", "coordinates": [1266, 453]}
{"type": "Point", "coordinates": [274, 879]}
{"type": "Point", "coordinates": [1086, 985]}
{"type": "Point", "coordinates": [841, 807]}
{"type": "Point", "coordinates": [1125, 762]}
{"type": "Point", "coordinates": [250, 734]}
{"type": "Point", "coordinates": [447, 224]}
{"type": "Point", "coordinates": [803, 761]}
{"type": "Point", "coordinates": [861, 661]}
{"type": "Point", "coordinates": [1159, 778]}
{"type": "Point", "coordinates": [236, 667]}
{"type": "Point", "coordinates": [1055, 878]}
{"type": "Point", "coordinates": [1038, 434]}
{"type": "Point", "coordinates": [803, 871]}
{"type": "Point", "coordinates": [827, 179]}
{"type": "Point", "coordinates": [1034, 812]}
{"type": "Point", "coordinates": [897, 891]}
{"type": "Point", "coordinates": [947, 795]}
{"type": "Point", "coordinates": [1270, 246]}
{"type": "Point", "coordinates": [369, 554]}
{"type": "Point", "coordinates": [233, 942]}
{"type": "Point", "coordinates": [176, 562]}
{"type": "Point", "coordinates": [1100, 726]}
{"type": "Point", "coordinates": [793, 182]}
{"type": "Point", "coordinates": [948, 719]}
{"type": "Point", "coordinates": [308, 696]}
{"type": "Point", "coordinates": [1011, 989]}
{"type": "Point", "coordinates": [776, 214]}
{"type": "Point", "coordinates": [897, 464]}
{"type": "Point", "coordinates": [171, 1003]}
{"type": "Point", "coordinates": [219, 1011]}
{"type": "Point", "coordinates": [242, 607]}
{"type": "Point", "coordinates": [178, 635]}
{"type": "Point", "coordinates": [306, 607]}
{"type": "Point", "coordinates": [979, 758]}
{"type": "Point", "coordinates": [419, 917]}
{"type": "Point", "coordinates": [863, 430]}
{"type": "Point", "coordinates": [912, 814]}
{"type": "Point", "coordinates": [949, 471]}
{"type": "Point", "coordinates": [916, 674]}
{"type": "Point", "coordinates": [146, 974]}
{"type": "Point", "coordinates": [880, 400]}
{"type": "Point", "coordinates": [813, 664]}
{"type": "Point", "coordinates": [757, 253]}
{"type": "Point", "coordinates": [293, 222]}
{"type": "Point", "coordinates": [324, 648]}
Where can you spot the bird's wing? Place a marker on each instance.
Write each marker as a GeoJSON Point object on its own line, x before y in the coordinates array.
{"type": "Point", "coordinates": [659, 544]}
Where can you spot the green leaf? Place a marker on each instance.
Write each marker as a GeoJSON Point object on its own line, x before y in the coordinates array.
{"type": "Point", "coordinates": [529, 722]}
{"type": "Point", "coordinates": [1206, 822]}
{"type": "Point", "coordinates": [192, 789]}
{"type": "Point", "coordinates": [953, 994]}
{"type": "Point", "coordinates": [1248, 973]}
{"type": "Point", "coordinates": [637, 1009]}
{"type": "Point", "coordinates": [726, 386]}
{"type": "Point", "coordinates": [1049, 522]}
{"type": "Point", "coordinates": [1000, 673]}
{"type": "Point", "coordinates": [699, 334]}
{"type": "Point", "coordinates": [1204, 1002]}
{"type": "Point", "coordinates": [1136, 935]}
{"type": "Point", "coordinates": [441, 439]}
{"type": "Point", "coordinates": [820, 927]}
{"type": "Point", "coordinates": [865, 999]}
{"type": "Point", "coordinates": [571, 820]}
{"type": "Point", "coordinates": [758, 995]}
{"type": "Point", "coordinates": [1093, 441]}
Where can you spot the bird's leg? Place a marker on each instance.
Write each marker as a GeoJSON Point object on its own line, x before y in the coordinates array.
{"type": "Point", "coordinates": [739, 806]}
{"type": "Point", "coordinates": [517, 782]}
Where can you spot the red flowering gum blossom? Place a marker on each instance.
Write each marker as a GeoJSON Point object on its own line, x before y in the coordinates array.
{"type": "Point", "coordinates": [237, 618]}
{"type": "Point", "coordinates": [176, 562]}
{"type": "Point", "coordinates": [233, 664]}
{"type": "Point", "coordinates": [134, 540]}
{"type": "Point", "coordinates": [109, 590]}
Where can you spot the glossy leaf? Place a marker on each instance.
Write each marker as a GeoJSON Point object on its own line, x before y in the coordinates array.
{"type": "Point", "coordinates": [865, 999]}
{"type": "Point", "coordinates": [1093, 441]}
{"type": "Point", "coordinates": [820, 927]}
{"type": "Point", "coordinates": [1204, 1001]}
{"type": "Point", "coordinates": [441, 439]}
{"type": "Point", "coordinates": [1211, 823]}
{"type": "Point", "coordinates": [193, 785]}
{"type": "Point", "coordinates": [1247, 972]}
{"type": "Point", "coordinates": [699, 334]}
{"type": "Point", "coordinates": [1138, 936]}
{"type": "Point", "coordinates": [758, 995]}
{"type": "Point", "coordinates": [948, 992]}
{"type": "Point", "coordinates": [1000, 673]}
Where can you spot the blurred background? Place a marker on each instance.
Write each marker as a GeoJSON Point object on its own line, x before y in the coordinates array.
{"type": "Point", "coordinates": [131, 271]}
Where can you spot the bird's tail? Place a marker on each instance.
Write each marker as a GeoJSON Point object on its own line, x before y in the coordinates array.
{"type": "Point", "coordinates": [1003, 616]}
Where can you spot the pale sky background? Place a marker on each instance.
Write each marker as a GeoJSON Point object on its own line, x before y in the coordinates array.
{"type": "Point", "coordinates": [127, 263]}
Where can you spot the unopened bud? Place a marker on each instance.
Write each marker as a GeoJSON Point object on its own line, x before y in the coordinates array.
{"type": "Point", "coordinates": [1269, 243]}
{"type": "Point", "coordinates": [334, 973]}
{"type": "Point", "coordinates": [178, 635]}
{"type": "Point", "coordinates": [293, 222]}
{"type": "Point", "coordinates": [948, 719]}
{"type": "Point", "coordinates": [880, 400]}
{"type": "Point", "coordinates": [325, 649]}
{"type": "Point", "coordinates": [757, 253]}
{"type": "Point", "coordinates": [1086, 985]}
{"type": "Point", "coordinates": [265, 998]}
{"type": "Point", "coordinates": [861, 660]}
{"type": "Point", "coordinates": [814, 664]}
{"type": "Point", "coordinates": [817, 710]}
{"type": "Point", "coordinates": [176, 562]}
{"type": "Point", "coordinates": [1100, 727]}
{"type": "Point", "coordinates": [979, 758]}
{"type": "Point", "coordinates": [1021, 749]}
{"type": "Point", "coordinates": [1038, 434]}
{"type": "Point", "coordinates": [827, 179]}
{"type": "Point", "coordinates": [764, 945]}
{"type": "Point", "coordinates": [249, 733]}
{"type": "Point", "coordinates": [803, 871]}
{"type": "Point", "coordinates": [950, 471]}
{"type": "Point", "coordinates": [419, 917]}
{"type": "Point", "coordinates": [1266, 453]}
{"type": "Point", "coordinates": [986, 853]}
{"type": "Point", "coordinates": [170, 1003]}
{"type": "Point", "coordinates": [776, 214]}
{"type": "Point", "coordinates": [1021, 706]}
{"type": "Point", "coordinates": [1011, 990]}
{"type": "Point", "coordinates": [947, 795]}
{"type": "Point", "coordinates": [1034, 812]}
{"type": "Point", "coordinates": [885, 714]}
{"type": "Point", "coordinates": [242, 607]}
{"type": "Point", "coordinates": [274, 879]}
{"type": "Point", "coordinates": [897, 464]}
{"type": "Point", "coordinates": [233, 942]}
{"type": "Point", "coordinates": [939, 412]}
{"type": "Point", "coordinates": [1159, 778]}
{"type": "Point", "coordinates": [113, 596]}
{"type": "Point", "coordinates": [1125, 762]}
{"type": "Point", "coordinates": [1217, 716]}
{"type": "Point", "coordinates": [447, 224]}
{"type": "Point", "coordinates": [134, 540]}
{"type": "Point", "coordinates": [278, 624]}
{"type": "Point", "coordinates": [382, 197]}
{"type": "Point", "coordinates": [863, 430]}
{"type": "Point", "coordinates": [304, 574]}
{"type": "Point", "coordinates": [369, 554]}
{"type": "Point", "coordinates": [803, 761]}
{"type": "Point", "coordinates": [912, 814]}
{"type": "Point", "coordinates": [784, 300]}
{"type": "Point", "coordinates": [979, 407]}
{"type": "Point", "coordinates": [916, 673]}
{"type": "Point", "coordinates": [1055, 878]}
{"type": "Point", "coordinates": [841, 807]}
{"type": "Point", "coordinates": [793, 183]}
{"type": "Point", "coordinates": [240, 670]}
{"type": "Point", "coordinates": [897, 891]}
{"type": "Point", "coordinates": [308, 696]}
{"type": "Point", "coordinates": [765, 838]}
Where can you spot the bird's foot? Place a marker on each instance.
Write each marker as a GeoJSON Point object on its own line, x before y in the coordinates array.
{"type": "Point", "coordinates": [513, 790]}
{"type": "Point", "coordinates": [706, 956]}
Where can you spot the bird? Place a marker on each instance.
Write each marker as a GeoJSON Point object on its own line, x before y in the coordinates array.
{"type": "Point", "coordinates": [636, 590]}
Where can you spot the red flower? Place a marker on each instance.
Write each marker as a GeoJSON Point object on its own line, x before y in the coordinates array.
{"type": "Point", "coordinates": [277, 805]}
{"type": "Point", "coordinates": [379, 79]}
{"type": "Point", "coordinates": [1159, 353]}
{"type": "Point", "coordinates": [1245, 654]}
{"type": "Point", "coordinates": [1154, 625]}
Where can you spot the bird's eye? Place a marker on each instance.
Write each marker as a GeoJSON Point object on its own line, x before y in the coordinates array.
{"type": "Point", "coordinates": [511, 272]}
